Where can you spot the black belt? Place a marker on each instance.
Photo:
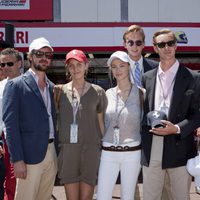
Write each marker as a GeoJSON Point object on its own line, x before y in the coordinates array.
{"type": "Point", "coordinates": [120, 148]}
{"type": "Point", "coordinates": [51, 140]}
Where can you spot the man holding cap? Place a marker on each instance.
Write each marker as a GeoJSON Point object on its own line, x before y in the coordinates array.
{"type": "Point", "coordinates": [173, 89]}
{"type": "Point", "coordinates": [29, 117]}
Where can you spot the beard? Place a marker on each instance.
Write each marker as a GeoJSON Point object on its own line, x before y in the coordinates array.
{"type": "Point", "coordinates": [42, 67]}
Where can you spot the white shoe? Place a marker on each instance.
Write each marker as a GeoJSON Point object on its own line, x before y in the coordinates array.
{"type": "Point", "coordinates": [94, 196]}
{"type": "Point", "coordinates": [197, 188]}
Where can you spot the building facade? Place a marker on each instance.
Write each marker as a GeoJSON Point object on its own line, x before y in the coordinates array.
{"type": "Point", "coordinates": [97, 26]}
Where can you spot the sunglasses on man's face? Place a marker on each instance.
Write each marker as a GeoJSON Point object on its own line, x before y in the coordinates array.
{"type": "Point", "coordinates": [162, 45]}
{"type": "Point", "coordinates": [137, 43]}
{"type": "Point", "coordinates": [40, 54]}
{"type": "Point", "coordinates": [9, 64]}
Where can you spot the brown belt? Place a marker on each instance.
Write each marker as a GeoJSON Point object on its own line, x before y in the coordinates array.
{"type": "Point", "coordinates": [120, 148]}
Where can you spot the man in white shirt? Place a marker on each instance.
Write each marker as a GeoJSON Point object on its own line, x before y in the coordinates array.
{"type": "Point", "coordinates": [134, 42]}
{"type": "Point", "coordinates": [10, 63]}
{"type": "Point", "coordinates": [173, 89]}
{"type": "Point", "coordinates": [28, 109]}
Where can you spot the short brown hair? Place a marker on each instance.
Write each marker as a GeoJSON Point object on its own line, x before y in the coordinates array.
{"type": "Point", "coordinates": [11, 52]}
{"type": "Point", "coordinates": [133, 29]}
{"type": "Point", "coordinates": [163, 31]}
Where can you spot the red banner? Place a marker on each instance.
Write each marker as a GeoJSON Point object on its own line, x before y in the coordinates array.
{"type": "Point", "coordinates": [26, 10]}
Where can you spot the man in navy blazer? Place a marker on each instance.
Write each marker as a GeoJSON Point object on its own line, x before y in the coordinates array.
{"type": "Point", "coordinates": [175, 90]}
{"type": "Point", "coordinates": [134, 42]}
{"type": "Point", "coordinates": [29, 117]}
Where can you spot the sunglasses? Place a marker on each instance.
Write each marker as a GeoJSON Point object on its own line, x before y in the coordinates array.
{"type": "Point", "coordinates": [162, 45]}
{"type": "Point", "coordinates": [9, 64]}
{"type": "Point", "coordinates": [40, 54]}
{"type": "Point", "coordinates": [137, 43]}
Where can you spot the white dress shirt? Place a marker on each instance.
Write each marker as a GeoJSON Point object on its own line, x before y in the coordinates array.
{"type": "Point", "coordinates": [2, 86]}
{"type": "Point", "coordinates": [47, 101]}
{"type": "Point", "coordinates": [132, 68]}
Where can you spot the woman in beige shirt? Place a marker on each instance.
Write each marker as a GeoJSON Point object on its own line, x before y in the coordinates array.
{"type": "Point", "coordinates": [80, 122]}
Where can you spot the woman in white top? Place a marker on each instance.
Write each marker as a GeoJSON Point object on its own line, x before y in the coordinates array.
{"type": "Point", "coordinates": [121, 142]}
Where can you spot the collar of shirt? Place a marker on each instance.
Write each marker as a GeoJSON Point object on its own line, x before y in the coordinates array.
{"type": "Point", "coordinates": [132, 63]}
{"type": "Point", "coordinates": [3, 83]}
{"type": "Point", "coordinates": [36, 78]}
{"type": "Point", "coordinates": [172, 70]}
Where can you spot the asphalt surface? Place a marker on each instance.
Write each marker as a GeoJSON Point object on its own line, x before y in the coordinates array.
{"type": "Point", "coordinates": [59, 193]}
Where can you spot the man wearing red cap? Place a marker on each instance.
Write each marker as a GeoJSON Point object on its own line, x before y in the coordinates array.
{"type": "Point", "coordinates": [28, 110]}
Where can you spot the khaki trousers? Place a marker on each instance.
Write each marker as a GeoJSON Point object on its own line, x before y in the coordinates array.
{"type": "Point", "coordinates": [153, 182]}
{"type": "Point", "coordinates": [40, 179]}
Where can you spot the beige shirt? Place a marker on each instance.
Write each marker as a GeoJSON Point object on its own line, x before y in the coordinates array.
{"type": "Point", "coordinates": [94, 101]}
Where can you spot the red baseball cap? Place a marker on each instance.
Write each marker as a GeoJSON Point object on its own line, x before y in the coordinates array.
{"type": "Point", "coordinates": [76, 54]}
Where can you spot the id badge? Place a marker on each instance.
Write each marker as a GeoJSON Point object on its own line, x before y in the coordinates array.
{"type": "Point", "coordinates": [116, 135]}
{"type": "Point", "coordinates": [74, 133]}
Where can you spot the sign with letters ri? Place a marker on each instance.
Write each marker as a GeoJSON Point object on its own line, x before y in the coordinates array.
{"type": "Point", "coordinates": [99, 37]}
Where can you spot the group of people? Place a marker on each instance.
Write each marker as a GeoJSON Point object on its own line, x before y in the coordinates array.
{"type": "Point", "coordinates": [97, 134]}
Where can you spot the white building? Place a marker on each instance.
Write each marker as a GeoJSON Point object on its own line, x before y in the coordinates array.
{"type": "Point", "coordinates": [97, 26]}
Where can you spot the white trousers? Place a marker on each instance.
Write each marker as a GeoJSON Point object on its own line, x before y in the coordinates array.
{"type": "Point", "coordinates": [112, 162]}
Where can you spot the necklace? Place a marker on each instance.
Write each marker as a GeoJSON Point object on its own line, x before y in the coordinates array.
{"type": "Point", "coordinates": [124, 94]}
{"type": "Point", "coordinates": [79, 94]}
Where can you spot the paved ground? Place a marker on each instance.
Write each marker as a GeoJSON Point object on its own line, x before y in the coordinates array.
{"type": "Point", "coordinates": [59, 193]}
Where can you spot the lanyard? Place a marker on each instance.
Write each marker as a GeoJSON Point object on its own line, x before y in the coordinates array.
{"type": "Point", "coordinates": [116, 107]}
{"type": "Point", "coordinates": [75, 106]}
{"type": "Point", "coordinates": [162, 88]}
{"type": "Point", "coordinates": [76, 102]}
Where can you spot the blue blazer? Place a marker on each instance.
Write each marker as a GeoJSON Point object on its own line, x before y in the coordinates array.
{"type": "Point", "coordinates": [149, 64]}
{"type": "Point", "coordinates": [26, 119]}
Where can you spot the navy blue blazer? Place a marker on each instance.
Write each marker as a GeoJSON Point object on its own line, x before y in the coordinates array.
{"type": "Point", "coordinates": [26, 119]}
{"type": "Point", "coordinates": [149, 64]}
{"type": "Point", "coordinates": [184, 111]}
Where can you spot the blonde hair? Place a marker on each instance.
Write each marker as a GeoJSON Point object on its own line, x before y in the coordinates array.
{"type": "Point", "coordinates": [133, 29]}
